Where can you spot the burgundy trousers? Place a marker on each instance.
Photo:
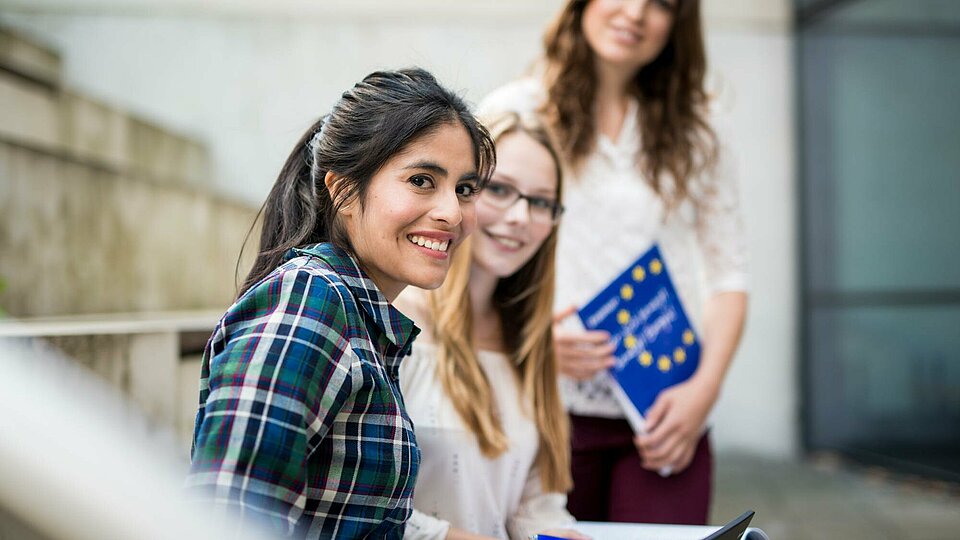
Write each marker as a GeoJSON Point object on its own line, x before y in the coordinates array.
{"type": "Point", "coordinates": [610, 483]}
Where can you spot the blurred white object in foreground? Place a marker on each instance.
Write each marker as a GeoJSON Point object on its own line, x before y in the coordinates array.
{"type": "Point", "coordinates": [78, 461]}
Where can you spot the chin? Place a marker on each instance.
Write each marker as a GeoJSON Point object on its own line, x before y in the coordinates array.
{"type": "Point", "coordinates": [428, 280]}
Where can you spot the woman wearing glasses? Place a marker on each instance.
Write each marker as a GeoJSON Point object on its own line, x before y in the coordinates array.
{"type": "Point", "coordinates": [621, 85]}
{"type": "Point", "coordinates": [481, 383]}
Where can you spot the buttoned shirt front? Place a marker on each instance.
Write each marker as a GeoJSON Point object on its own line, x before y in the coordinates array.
{"type": "Point", "coordinates": [301, 424]}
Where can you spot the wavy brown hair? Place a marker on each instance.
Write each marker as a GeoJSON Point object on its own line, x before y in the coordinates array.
{"type": "Point", "coordinates": [524, 303]}
{"type": "Point", "coordinates": [677, 142]}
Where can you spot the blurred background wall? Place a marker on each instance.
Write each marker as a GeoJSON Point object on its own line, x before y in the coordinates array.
{"type": "Point", "coordinates": [103, 210]}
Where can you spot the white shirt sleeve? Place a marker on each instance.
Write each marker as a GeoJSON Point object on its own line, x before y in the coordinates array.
{"type": "Point", "coordinates": [423, 527]}
{"type": "Point", "coordinates": [523, 96]}
{"type": "Point", "coordinates": [538, 511]}
{"type": "Point", "coordinates": [720, 230]}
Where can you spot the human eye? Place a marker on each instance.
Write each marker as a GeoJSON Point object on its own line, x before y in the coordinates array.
{"type": "Point", "coordinates": [498, 189]}
{"type": "Point", "coordinates": [668, 5]}
{"type": "Point", "coordinates": [467, 190]}
{"type": "Point", "coordinates": [421, 181]}
{"type": "Point", "coordinates": [542, 203]}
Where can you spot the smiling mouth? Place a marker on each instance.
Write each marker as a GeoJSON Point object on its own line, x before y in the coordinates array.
{"type": "Point", "coordinates": [435, 245]}
{"type": "Point", "coordinates": [508, 243]}
{"type": "Point", "coordinates": [624, 33]}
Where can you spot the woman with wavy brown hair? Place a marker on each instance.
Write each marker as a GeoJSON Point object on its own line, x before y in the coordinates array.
{"type": "Point", "coordinates": [621, 86]}
{"type": "Point", "coordinates": [481, 382]}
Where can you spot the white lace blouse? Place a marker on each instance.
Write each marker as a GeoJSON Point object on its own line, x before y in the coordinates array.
{"type": "Point", "coordinates": [457, 485]}
{"type": "Point", "coordinates": [612, 216]}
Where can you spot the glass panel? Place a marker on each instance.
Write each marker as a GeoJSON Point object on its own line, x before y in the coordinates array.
{"type": "Point", "coordinates": [881, 231]}
{"type": "Point", "coordinates": [882, 129]}
{"type": "Point", "coordinates": [885, 380]}
{"type": "Point", "coordinates": [899, 12]}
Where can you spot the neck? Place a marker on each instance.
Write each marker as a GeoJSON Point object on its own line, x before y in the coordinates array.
{"type": "Point", "coordinates": [612, 83]}
{"type": "Point", "coordinates": [482, 284]}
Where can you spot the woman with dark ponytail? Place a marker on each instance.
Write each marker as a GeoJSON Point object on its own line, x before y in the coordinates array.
{"type": "Point", "coordinates": [300, 423]}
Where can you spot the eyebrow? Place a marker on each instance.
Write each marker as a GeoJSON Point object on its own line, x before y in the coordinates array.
{"type": "Point", "coordinates": [428, 165]}
{"type": "Point", "coordinates": [438, 169]}
{"type": "Point", "coordinates": [536, 193]}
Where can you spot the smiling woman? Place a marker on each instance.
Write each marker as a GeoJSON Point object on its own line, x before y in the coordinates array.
{"type": "Point", "coordinates": [301, 424]}
{"type": "Point", "coordinates": [484, 393]}
{"type": "Point", "coordinates": [419, 207]}
{"type": "Point", "coordinates": [621, 87]}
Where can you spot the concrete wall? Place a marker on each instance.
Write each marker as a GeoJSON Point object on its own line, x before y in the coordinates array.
{"type": "Point", "coordinates": [247, 77]}
{"type": "Point", "coordinates": [101, 211]}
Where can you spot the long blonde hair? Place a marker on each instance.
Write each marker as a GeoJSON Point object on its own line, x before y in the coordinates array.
{"type": "Point", "coordinates": [677, 141]}
{"type": "Point", "coordinates": [524, 303]}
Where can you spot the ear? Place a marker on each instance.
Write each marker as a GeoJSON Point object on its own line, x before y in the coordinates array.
{"type": "Point", "coordinates": [335, 183]}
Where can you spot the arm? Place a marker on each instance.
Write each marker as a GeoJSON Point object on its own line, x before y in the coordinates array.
{"type": "Point", "coordinates": [424, 527]}
{"type": "Point", "coordinates": [541, 512]}
{"type": "Point", "coordinates": [676, 419]}
{"type": "Point", "coordinates": [272, 384]}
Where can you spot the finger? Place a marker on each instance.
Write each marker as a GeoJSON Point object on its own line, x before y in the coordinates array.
{"type": "Point", "coordinates": [662, 434]}
{"type": "Point", "coordinates": [564, 313]}
{"type": "Point", "coordinates": [661, 456]}
{"type": "Point", "coordinates": [595, 337]}
{"type": "Point", "coordinates": [681, 464]}
{"type": "Point", "coordinates": [657, 412]}
{"type": "Point", "coordinates": [601, 362]}
{"type": "Point", "coordinates": [658, 455]}
{"type": "Point", "coordinates": [576, 372]}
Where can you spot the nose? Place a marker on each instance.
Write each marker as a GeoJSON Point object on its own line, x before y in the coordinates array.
{"type": "Point", "coordinates": [635, 9]}
{"type": "Point", "coordinates": [519, 212]}
{"type": "Point", "coordinates": [447, 208]}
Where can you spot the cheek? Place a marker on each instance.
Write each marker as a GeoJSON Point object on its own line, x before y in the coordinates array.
{"type": "Point", "coordinates": [662, 27]}
{"type": "Point", "coordinates": [486, 216]}
{"type": "Point", "coordinates": [468, 212]}
{"type": "Point", "coordinates": [590, 23]}
{"type": "Point", "coordinates": [539, 234]}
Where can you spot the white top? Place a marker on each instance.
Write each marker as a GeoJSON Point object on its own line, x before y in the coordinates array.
{"type": "Point", "coordinates": [457, 485]}
{"type": "Point", "coordinates": [613, 216]}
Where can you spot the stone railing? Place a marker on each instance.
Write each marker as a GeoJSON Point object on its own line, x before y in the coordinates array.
{"type": "Point", "coordinates": [150, 357]}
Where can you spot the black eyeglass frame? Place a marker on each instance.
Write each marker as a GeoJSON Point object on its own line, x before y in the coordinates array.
{"type": "Point", "coordinates": [556, 207]}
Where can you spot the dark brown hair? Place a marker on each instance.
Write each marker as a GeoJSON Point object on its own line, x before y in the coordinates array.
{"type": "Point", "coordinates": [377, 118]}
{"type": "Point", "coordinates": [675, 137]}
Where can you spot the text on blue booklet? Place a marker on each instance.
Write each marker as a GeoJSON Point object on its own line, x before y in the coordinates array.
{"type": "Point", "coordinates": [656, 347]}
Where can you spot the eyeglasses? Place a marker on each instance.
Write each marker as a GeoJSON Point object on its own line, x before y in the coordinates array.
{"type": "Point", "coordinates": [502, 196]}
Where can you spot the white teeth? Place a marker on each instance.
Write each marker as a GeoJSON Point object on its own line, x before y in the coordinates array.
{"type": "Point", "coordinates": [507, 242]}
{"type": "Point", "coordinates": [429, 244]}
{"type": "Point", "coordinates": [626, 34]}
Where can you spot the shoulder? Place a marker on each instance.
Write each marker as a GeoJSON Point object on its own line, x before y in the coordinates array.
{"type": "Point", "coordinates": [303, 297]}
{"type": "Point", "coordinates": [306, 281]}
{"type": "Point", "coordinates": [415, 304]}
{"type": "Point", "coordinates": [296, 325]}
{"type": "Point", "coordinates": [522, 95]}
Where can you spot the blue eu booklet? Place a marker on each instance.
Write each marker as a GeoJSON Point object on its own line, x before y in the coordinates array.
{"type": "Point", "coordinates": [656, 346]}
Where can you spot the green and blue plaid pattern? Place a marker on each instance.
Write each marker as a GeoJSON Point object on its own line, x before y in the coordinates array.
{"type": "Point", "coordinates": [301, 424]}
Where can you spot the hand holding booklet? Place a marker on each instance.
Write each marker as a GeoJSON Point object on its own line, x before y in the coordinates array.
{"type": "Point", "coordinates": [656, 346]}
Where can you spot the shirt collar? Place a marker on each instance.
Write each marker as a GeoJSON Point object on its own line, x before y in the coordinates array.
{"type": "Point", "coordinates": [628, 140]}
{"type": "Point", "coordinates": [397, 328]}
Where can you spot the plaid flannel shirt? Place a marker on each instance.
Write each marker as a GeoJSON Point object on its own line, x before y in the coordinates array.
{"type": "Point", "coordinates": [301, 424]}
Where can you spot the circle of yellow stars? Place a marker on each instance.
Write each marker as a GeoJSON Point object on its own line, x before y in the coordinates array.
{"type": "Point", "coordinates": [664, 362]}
